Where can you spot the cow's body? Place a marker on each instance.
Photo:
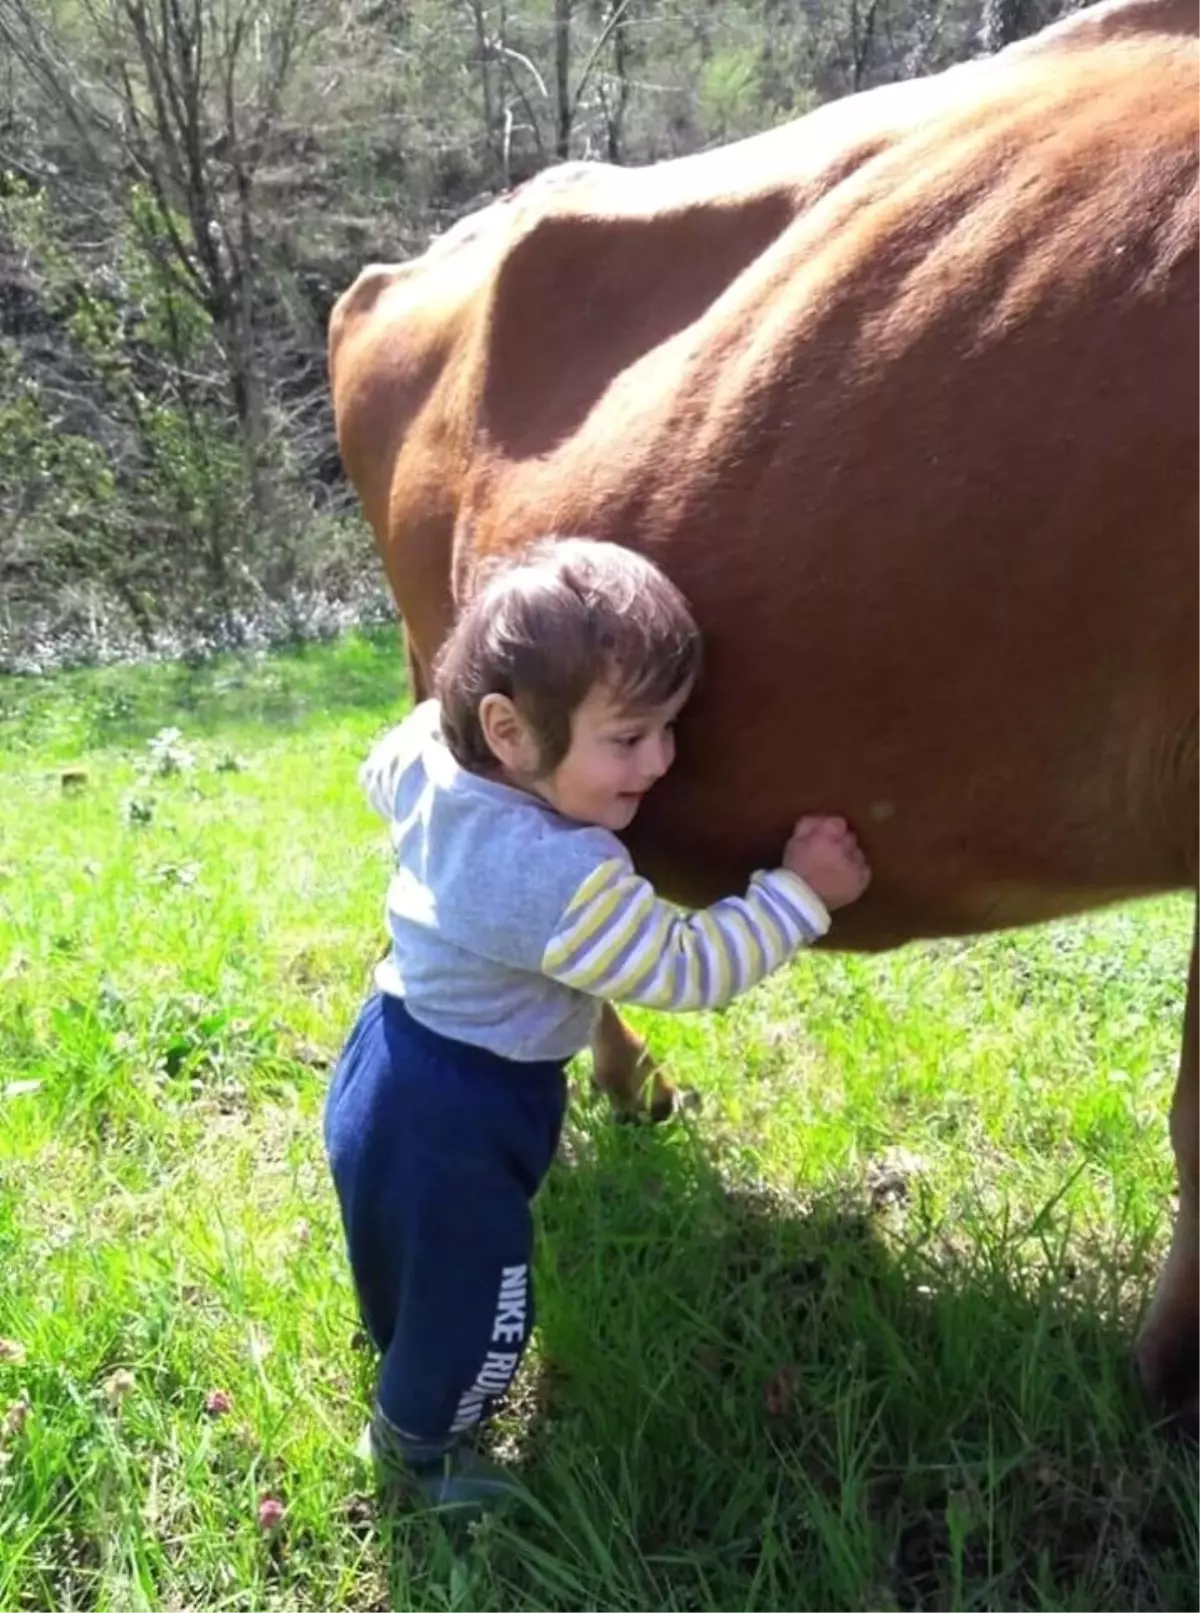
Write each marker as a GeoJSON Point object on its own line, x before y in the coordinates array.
{"type": "Point", "coordinates": [904, 396]}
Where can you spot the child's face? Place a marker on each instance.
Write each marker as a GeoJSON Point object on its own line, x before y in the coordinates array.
{"type": "Point", "coordinates": [614, 757]}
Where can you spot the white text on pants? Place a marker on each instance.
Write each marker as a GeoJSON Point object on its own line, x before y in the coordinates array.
{"type": "Point", "coordinates": [508, 1327]}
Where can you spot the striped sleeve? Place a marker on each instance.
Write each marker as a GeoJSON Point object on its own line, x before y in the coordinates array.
{"type": "Point", "coordinates": [617, 939]}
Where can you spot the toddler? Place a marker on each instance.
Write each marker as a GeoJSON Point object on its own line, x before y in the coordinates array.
{"type": "Point", "coordinates": [514, 911]}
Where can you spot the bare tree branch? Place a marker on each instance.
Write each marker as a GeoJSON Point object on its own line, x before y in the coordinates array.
{"type": "Point", "coordinates": [611, 23]}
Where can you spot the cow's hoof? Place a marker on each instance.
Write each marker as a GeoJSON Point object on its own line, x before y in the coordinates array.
{"type": "Point", "coordinates": [1167, 1349]}
{"type": "Point", "coordinates": [628, 1075]}
{"type": "Point", "coordinates": [1169, 1368]}
{"type": "Point", "coordinates": [666, 1102]}
{"type": "Point", "coordinates": [661, 1108]}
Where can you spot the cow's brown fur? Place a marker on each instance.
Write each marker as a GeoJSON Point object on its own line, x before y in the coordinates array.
{"type": "Point", "coordinates": [904, 396]}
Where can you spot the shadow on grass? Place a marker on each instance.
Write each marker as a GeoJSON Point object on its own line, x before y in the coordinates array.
{"type": "Point", "coordinates": [78, 711]}
{"type": "Point", "coordinates": [743, 1399]}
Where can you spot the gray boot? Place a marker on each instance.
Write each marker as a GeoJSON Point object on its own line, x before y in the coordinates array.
{"type": "Point", "coordinates": [445, 1474]}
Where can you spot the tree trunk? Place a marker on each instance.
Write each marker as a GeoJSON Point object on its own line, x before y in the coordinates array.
{"type": "Point", "coordinates": [562, 78]}
{"type": "Point", "coordinates": [614, 110]}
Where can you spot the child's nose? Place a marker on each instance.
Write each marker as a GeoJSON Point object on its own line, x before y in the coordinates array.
{"type": "Point", "coordinates": [659, 755]}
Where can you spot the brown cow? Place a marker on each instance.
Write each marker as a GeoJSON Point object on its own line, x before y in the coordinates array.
{"type": "Point", "coordinates": [904, 396]}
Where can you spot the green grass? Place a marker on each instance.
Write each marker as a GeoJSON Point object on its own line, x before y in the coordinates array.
{"type": "Point", "coordinates": [852, 1335]}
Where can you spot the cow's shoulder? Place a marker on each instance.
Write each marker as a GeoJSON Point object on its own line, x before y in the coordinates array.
{"type": "Point", "coordinates": [358, 303]}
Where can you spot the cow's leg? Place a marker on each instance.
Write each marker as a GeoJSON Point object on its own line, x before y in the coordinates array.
{"type": "Point", "coordinates": [418, 683]}
{"type": "Point", "coordinates": [1167, 1351]}
{"type": "Point", "coordinates": [626, 1072]}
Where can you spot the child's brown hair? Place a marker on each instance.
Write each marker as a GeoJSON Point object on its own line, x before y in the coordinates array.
{"type": "Point", "coordinates": [546, 627]}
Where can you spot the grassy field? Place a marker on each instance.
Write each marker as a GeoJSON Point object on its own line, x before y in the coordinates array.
{"type": "Point", "coordinates": [851, 1334]}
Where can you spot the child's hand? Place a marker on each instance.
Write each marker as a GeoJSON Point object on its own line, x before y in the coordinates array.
{"type": "Point", "coordinates": [826, 856]}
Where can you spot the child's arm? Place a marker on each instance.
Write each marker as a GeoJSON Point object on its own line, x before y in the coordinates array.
{"type": "Point", "coordinates": [620, 941]}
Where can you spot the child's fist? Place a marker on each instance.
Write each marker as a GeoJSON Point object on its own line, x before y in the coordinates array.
{"type": "Point", "coordinates": [827, 857]}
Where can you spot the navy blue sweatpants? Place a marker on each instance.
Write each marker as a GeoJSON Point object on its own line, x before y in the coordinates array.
{"type": "Point", "coordinates": [437, 1149]}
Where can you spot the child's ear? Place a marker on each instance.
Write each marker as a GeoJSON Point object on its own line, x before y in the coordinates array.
{"type": "Point", "coordinates": [508, 739]}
